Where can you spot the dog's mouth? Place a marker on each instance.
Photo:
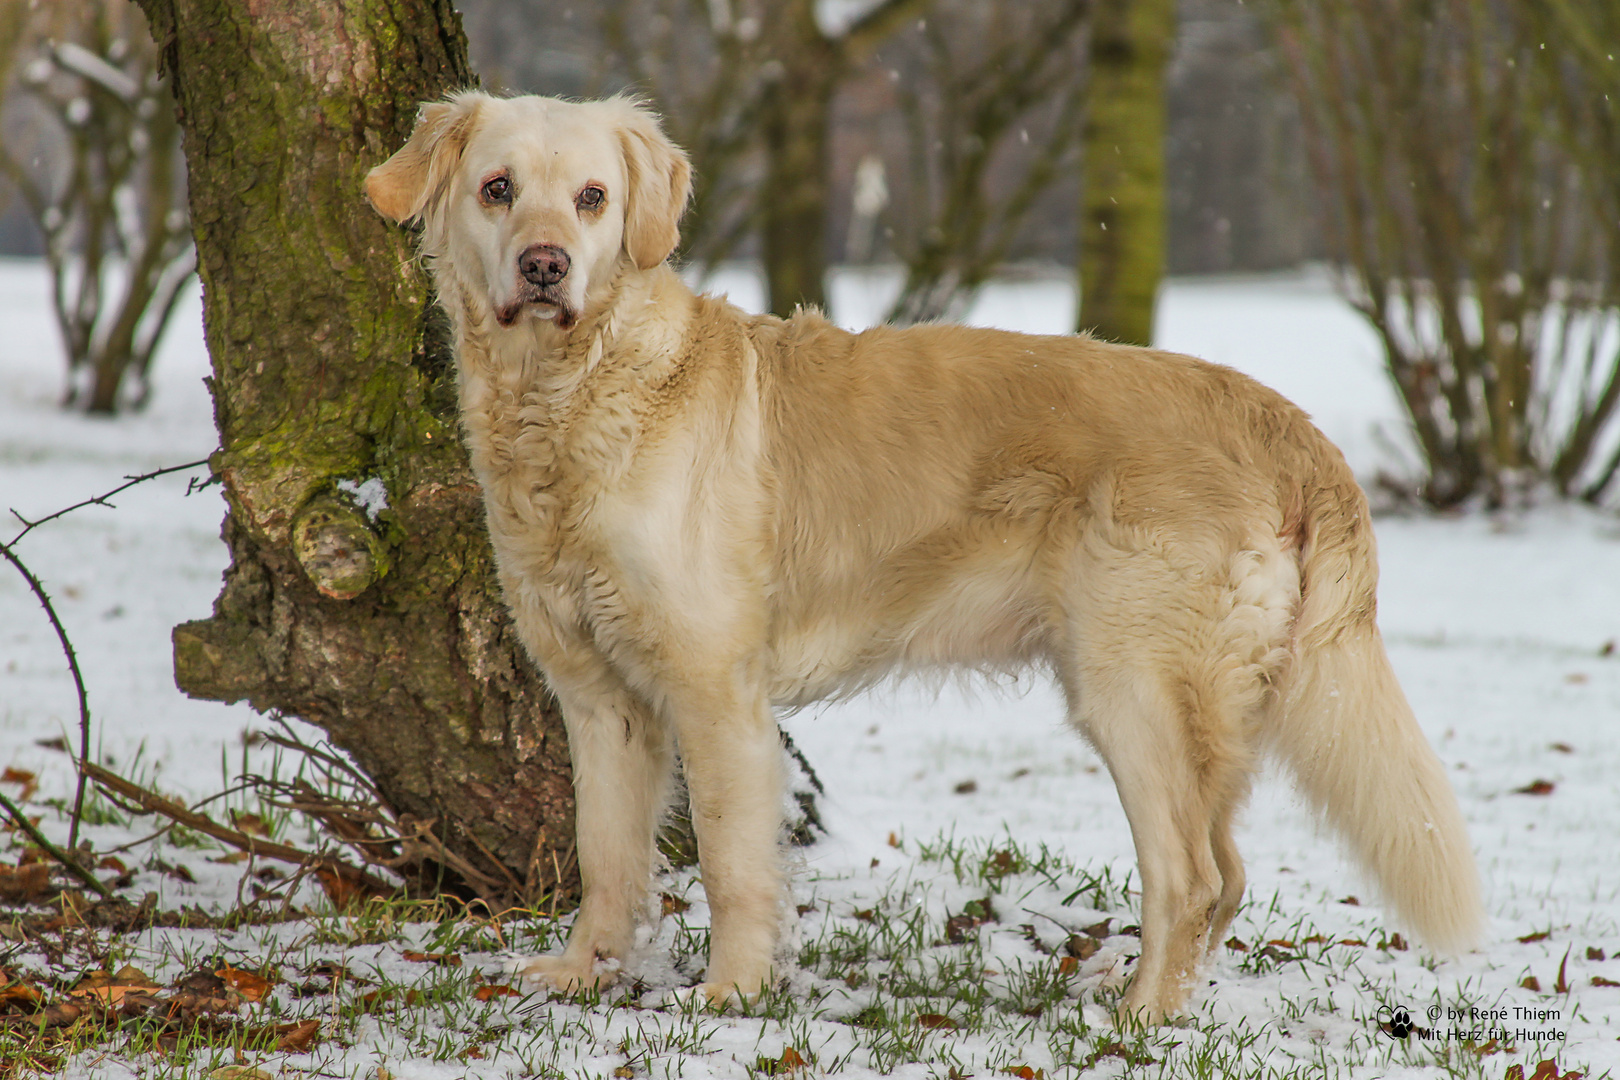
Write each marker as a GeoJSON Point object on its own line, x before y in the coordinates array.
{"type": "Point", "coordinates": [543, 302]}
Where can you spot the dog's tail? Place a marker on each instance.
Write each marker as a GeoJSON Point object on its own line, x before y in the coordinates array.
{"type": "Point", "coordinates": [1344, 728]}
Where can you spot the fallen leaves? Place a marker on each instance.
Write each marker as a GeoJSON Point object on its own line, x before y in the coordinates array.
{"type": "Point", "coordinates": [298, 1037]}
{"type": "Point", "coordinates": [1536, 787]}
{"type": "Point", "coordinates": [197, 1009]}
{"type": "Point", "coordinates": [247, 985]}
{"type": "Point", "coordinates": [442, 959]}
{"type": "Point", "coordinates": [1546, 1070]}
{"type": "Point", "coordinates": [790, 1062]}
{"type": "Point", "coordinates": [112, 989]}
{"type": "Point", "coordinates": [25, 884]}
{"type": "Point", "coordinates": [27, 781]}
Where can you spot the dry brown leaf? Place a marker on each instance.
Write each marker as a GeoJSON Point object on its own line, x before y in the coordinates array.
{"type": "Point", "coordinates": [20, 998]}
{"type": "Point", "coordinates": [1542, 936]}
{"type": "Point", "coordinates": [299, 1037]}
{"type": "Point", "coordinates": [27, 780]}
{"type": "Point", "coordinates": [443, 959]}
{"type": "Point", "coordinates": [937, 1022]}
{"type": "Point", "coordinates": [495, 990]}
{"type": "Point", "coordinates": [239, 1072]}
{"type": "Point", "coordinates": [1536, 787]}
{"type": "Point", "coordinates": [252, 824]}
{"type": "Point", "coordinates": [25, 884]}
{"type": "Point", "coordinates": [248, 986]}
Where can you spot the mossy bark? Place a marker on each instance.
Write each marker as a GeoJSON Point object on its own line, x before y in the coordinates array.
{"type": "Point", "coordinates": [797, 110]}
{"type": "Point", "coordinates": [331, 370]}
{"type": "Point", "coordinates": [1122, 207]}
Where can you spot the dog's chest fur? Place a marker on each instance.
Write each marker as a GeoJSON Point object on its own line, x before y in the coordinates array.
{"type": "Point", "coordinates": [589, 476]}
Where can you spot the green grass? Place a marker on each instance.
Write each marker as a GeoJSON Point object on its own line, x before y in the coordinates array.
{"type": "Point", "coordinates": [957, 961]}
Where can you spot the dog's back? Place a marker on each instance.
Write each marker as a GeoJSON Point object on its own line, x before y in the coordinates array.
{"type": "Point", "coordinates": [932, 484]}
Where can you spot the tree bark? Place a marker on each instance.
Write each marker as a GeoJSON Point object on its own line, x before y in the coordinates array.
{"type": "Point", "coordinates": [332, 383]}
{"type": "Point", "coordinates": [796, 125]}
{"type": "Point", "coordinates": [1122, 208]}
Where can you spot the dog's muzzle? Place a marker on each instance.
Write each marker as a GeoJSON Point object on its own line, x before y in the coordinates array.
{"type": "Point", "coordinates": [541, 270]}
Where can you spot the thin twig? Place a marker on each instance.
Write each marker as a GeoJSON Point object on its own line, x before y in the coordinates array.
{"type": "Point", "coordinates": [61, 632]}
{"type": "Point", "coordinates": [154, 803]}
{"type": "Point", "coordinates": [78, 682]}
{"type": "Point", "coordinates": [101, 500]}
{"type": "Point", "coordinates": [62, 857]}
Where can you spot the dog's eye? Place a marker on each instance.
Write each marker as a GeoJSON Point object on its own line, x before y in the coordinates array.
{"type": "Point", "coordinates": [498, 190]}
{"type": "Point", "coordinates": [591, 198]}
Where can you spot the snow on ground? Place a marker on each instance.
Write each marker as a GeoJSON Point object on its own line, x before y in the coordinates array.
{"type": "Point", "coordinates": [1496, 627]}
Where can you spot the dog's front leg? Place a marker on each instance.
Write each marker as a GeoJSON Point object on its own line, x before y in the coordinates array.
{"type": "Point", "coordinates": [623, 764]}
{"type": "Point", "coordinates": [732, 755]}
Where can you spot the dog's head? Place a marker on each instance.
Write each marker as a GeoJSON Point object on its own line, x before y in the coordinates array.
{"type": "Point", "coordinates": [535, 202]}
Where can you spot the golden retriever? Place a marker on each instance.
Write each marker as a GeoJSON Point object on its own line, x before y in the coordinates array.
{"type": "Point", "coordinates": [699, 514]}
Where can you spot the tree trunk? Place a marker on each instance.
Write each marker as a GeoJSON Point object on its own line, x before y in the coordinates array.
{"type": "Point", "coordinates": [1122, 210]}
{"type": "Point", "coordinates": [795, 125]}
{"type": "Point", "coordinates": [333, 386]}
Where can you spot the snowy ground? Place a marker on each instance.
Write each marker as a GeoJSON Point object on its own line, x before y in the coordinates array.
{"type": "Point", "coordinates": [1497, 628]}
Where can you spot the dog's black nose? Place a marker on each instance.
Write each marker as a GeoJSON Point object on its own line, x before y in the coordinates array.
{"type": "Point", "coordinates": [543, 264]}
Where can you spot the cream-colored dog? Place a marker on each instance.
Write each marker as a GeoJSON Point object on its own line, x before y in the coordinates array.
{"type": "Point", "coordinates": [700, 514]}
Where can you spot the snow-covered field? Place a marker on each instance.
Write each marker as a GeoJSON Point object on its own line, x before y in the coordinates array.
{"type": "Point", "coordinates": [1497, 627]}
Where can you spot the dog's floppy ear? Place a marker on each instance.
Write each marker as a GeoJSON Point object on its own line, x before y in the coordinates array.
{"type": "Point", "coordinates": [660, 183]}
{"type": "Point", "coordinates": [403, 186]}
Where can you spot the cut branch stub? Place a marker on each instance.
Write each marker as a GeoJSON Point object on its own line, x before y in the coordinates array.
{"type": "Point", "coordinates": [335, 545]}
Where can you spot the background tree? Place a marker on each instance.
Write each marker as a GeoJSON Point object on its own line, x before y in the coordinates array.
{"type": "Point", "coordinates": [749, 87]}
{"type": "Point", "coordinates": [1122, 203]}
{"type": "Point", "coordinates": [704, 65]}
{"type": "Point", "coordinates": [100, 171]}
{"type": "Point", "coordinates": [990, 96]}
{"type": "Point", "coordinates": [360, 595]}
{"type": "Point", "coordinates": [1469, 183]}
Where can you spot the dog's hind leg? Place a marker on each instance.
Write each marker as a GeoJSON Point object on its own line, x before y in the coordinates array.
{"type": "Point", "coordinates": [1142, 734]}
{"type": "Point", "coordinates": [1230, 864]}
{"type": "Point", "coordinates": [1170, 673]}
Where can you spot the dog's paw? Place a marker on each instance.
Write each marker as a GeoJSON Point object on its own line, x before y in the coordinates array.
{"type": "Point", "coordinates": [717, 996]}
{"type": "Point", "coordinates": [565, 974]}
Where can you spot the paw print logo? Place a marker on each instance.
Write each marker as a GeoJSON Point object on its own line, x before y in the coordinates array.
{"type": "Point", "coordinates": [1396, 1022]}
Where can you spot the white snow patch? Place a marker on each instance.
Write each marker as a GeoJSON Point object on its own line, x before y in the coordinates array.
{"type": "Point", "coordinates": [370, 495]}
